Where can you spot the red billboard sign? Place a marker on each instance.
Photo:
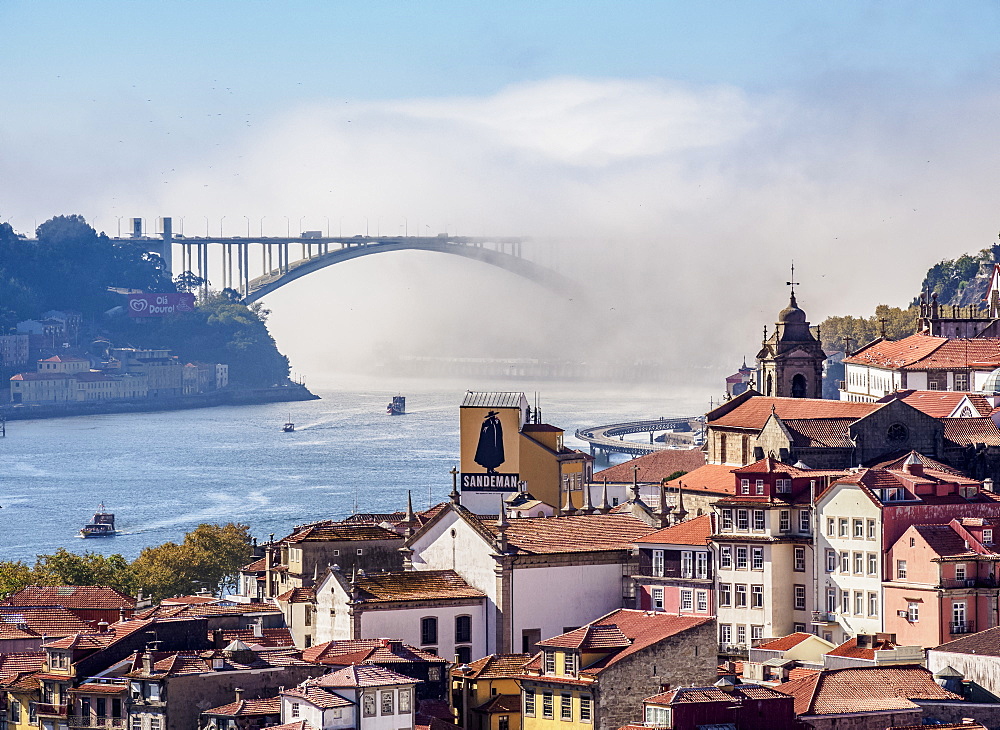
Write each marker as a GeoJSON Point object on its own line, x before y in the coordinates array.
{"type": "Point", "coordinates": [159, 305]}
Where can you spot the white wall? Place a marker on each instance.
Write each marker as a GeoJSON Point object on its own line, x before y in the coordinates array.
{"type": "Point", "coordinates": [465, 552]}
{"type": "Point", "coordinates": [404, 624]}
{"type": "Point", "coordinates": [332, 619]}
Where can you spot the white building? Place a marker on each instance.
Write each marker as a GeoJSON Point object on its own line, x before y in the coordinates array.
{"type": "Point", "coordinates": [434, 609]}
{"type": "Point", "coordinates": [361, 696]}
{"type": "Point", "coordinates": [541, 576]}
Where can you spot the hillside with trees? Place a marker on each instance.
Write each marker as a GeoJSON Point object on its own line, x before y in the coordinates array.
{"type": "Point", "coordinates": [72, 267]}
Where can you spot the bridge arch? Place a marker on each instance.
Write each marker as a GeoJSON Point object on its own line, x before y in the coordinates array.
{"type": "Point", "coordinates": [264, 285]}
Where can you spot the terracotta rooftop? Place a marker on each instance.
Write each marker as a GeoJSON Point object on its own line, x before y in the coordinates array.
{"type": "Point", "coordinates": [652, 467]}
{"type": "Point", "coordinates": [316, 696]}
{"type": "Point", "coordinates": [17, 663]}
{"type": "Point", "coordinates": [97, 640]}
{"type": "Point", "coordinates": [414, 585]}
{"type": "Point", "coordinates": [495, 666]}
{"type": "Point", "coordinates": [294, 725]}
{"type": "Point", "coordinates": [828, 433]}
{"type": "Point", "coordinates": [690, 695]}
{"type": "Point", "coordinates": [341, 532]}
{"type": "Point", "coordinates": [298, 595]}
{"type": "Point", "coordinates": [897, 462]}
{"type": "Point", "coordinates": [785, 642]}
{"type": "Point", "coordinates": [362, 675]}
{"type": "Point", "coordinates": [968, 431]}
{"type": "Point", "coordinates": [87, 597]}
{"type": "Point", "coordinates": [270, 637]}
{"type": "Point", "coordinates": [248, 708]}
{"type": "Point", "coordinates": [175, 663]}
{"type": "Point", "coordinates": [898, 353]}
{"type": "Point", "coordinates": [863, 689]}
{"type": "Point", "coordinates": [256, 566]}
{"type": "Point", "coordinates": [189, 610]}
{"type": "Point", "coordinates": [715, 478]}
{"type": "Point", "coordinates": [689, 532]}
{"type": "Point", "coordinates": [594, 637]}
{"type": "Point", "coordinates": [851, 649]}
{"type": "Point", "coordinates": [939, 403]}
{"type": "Point", "coordinates": [501, 703]}
{"type": "Point", "coordinates": [367, 651]}
{"type": "Point", "coordinates": [754, 411]}
{"type": "Point", "coordinates": [983, 643]}
{"type": "Point", "coordinates": [573, 533]}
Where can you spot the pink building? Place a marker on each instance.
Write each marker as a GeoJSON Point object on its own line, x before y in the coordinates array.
{"type": "Point", "coordinates": [675, 569]}
{"type": "Point", "coordinates": [942, 581]}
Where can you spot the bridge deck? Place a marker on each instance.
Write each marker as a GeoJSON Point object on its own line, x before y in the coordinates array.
{"type": "Point", "coordinates": [602, 438]}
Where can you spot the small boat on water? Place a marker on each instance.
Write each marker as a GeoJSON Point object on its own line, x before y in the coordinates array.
{"type": "Point", "coordinates": [397, 406]}
{"type": "Point", "coordinates": [289, 427]}
{"type": "Point", "coordinates": [103, 524]}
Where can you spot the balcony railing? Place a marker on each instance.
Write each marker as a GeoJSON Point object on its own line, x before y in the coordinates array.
{"type": "Point", "coordinates": [43, 708]}
{"type": "Point", "coordinates": [983, 582]}
{"type": "Point", "coordinates": [91, 721]}
{"type": "Point", "coordinates": [962, 627]}
{"type": "Point", "coordinates": [824, 617]}
{"type": "Point", "coordinates": [741, 650]}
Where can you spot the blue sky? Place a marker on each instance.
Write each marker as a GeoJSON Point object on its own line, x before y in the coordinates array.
{"type": "Point", "coordinates": [718, 138]}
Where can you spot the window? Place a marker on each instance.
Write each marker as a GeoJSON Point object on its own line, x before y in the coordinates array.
{"type": "Point", "coordinates": [741, 595]}
{"type": "Point", "coordinates": [987, 536]}
{"type": "Point", "coordinates": [369, 704]}
{"type": "Point", "coordinates": [15, 711]}
{"type": "Point", "coordinates": [463, 654]}
{"type": "Point", "coordinates": [901, 569]}
{"type": "Point", "coordinates": [586, 709]}
{"type": "Point", "coordinates": [859, 603]}
{"type": "Point", "coordinates": [657, 594]}
{"type": "Point", "coordinates": [727, 519]}
{"type": "Point", "coordinates": [547, 705]}
{"type": "Point", "coordinates": [859, 529]}
{"type": "Point", "coordinates": [760, 487]}
{"type": "Point", "coordinates": [843, 527]}
{"type": "Point", "coordinates": [702, 601]}
{"type": "Point", "coordinates": [758, 558]}
{"type": "Point", "coordinates": [859, 563]}
{"type": "Point", "coordinates": [845, 562]}
{"type": "Point", "coordinates": [872, 564]}
{"type": "Point", "coordinates": [758, 519]}
{"type": "Point", "coordinates": [726, 594]}
{"type": "Point", "coordinates": [687, 564]}
{"type": "Point", "coordinates": [550, 662]}
{"type": "Point", "coordinates": [961, 381]}
{"type": "Point", "coordinates": [913, 611]}
{"type": "Point", "coordinates": [741, 634]}
{"type": "Point", "coordinates": [756, 596]}
{"type": "Point", "coordinates": [960, 571]}
{"type": "Point", "coordinates": [831, 561]}
{"type": "Point", "coordinates": [830, 526]}
{"type": "Point", "coordinates": [873, 604]}
{"type": "Point", "coordinates": [658, 563]}
{"type": "Point", "coordinates": [804, 521]}
{"type": "Point", "coordinates": [503, 723]}
{"type": "Point", "coordinates": [463, 629]}
{"type": "Point", "coordinates": [404, 701]}
{"type": "Point", "coordinates": [744, 486]}
{"type": "Point", "coordinates": [361, 551]}
{"type": "Point", "coordinates": [800, 598]}
{"type": "Point", "coordinates": [871, 529]}
{"type": "Point", "coordinates": [137, 719]}
{"type": "Point", "coordinates": [784, 520]}
{"type": "Point", "coordinates": [845, 602]}
{"type": "Point", "coordinates": [726, 557]}
{"type": "Point", "coordinates": [741, 558]}
{"type": "Point", "coordinates": [800, 559]}
{"type": "Point", "coordinates": [725, 634]}
{"type": "Point", "coordinates": [155, 722]}
{"type": "Point", "coordinates": [428, 630]}
{"type": "Point", "coordinates": [756, 633]}
{"type": "Point", "coordinates": [831, 600]}
{"type": "Point", "coordinates": [701, 565]}
{"type": "Point", "coordinates": [529, 703]}
{"type": "Point", "coordinates": [742, 520]}
{"type": "Point", "coordinates": [566, 706]}
{"type": "Point", "coordinates": [687, 600]}
{"type": "Point", "coordinates": [658, 716]}
{"type": "Point", "coordinates": [958, 616]}
{"type": "Point", "coordinates": [783, 486]}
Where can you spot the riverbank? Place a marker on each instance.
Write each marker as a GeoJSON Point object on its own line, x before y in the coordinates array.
{"type": "Point", "coordinates": [227, 397]}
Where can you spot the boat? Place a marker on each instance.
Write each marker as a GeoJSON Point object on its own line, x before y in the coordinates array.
{"type": "Point", "coordinates": [288, 427]}
{"type": "Point", "coordinates": [397, 406]}
{"type": "Point", "coordinates": [103, 524]}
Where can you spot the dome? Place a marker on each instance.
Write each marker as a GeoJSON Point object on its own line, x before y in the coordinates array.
{"type": "Point", "coordinates": [791, 313]}
{"type": "Point", "coordinates": [992, 382]}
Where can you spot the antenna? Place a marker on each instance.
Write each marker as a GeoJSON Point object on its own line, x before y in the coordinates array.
{"type": "Point", "coordinates": [792, 283]}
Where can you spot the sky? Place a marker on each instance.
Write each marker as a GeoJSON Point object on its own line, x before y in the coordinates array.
{"type": "Point", "coordinates": [672, 157]}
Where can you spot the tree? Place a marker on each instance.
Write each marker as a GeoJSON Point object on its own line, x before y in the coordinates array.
{"type": "Point", "coordinates": [88, 569]}
{"type": "Point", "coordinates": [188, 281]}
{"type": "Point", "coordinates": [14, 575]}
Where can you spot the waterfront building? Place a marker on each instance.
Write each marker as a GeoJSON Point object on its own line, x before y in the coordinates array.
{"type": "Point", "coordinates": [504, 443]}
{"type": "Point", "coordinates": [164, 372]}
{"type": "Point", "coordinates": [13, 350]}
{"type": "Point", "coordinates": [790, 361]}
{"type": "Point", "coordinates": [63, 364]}
{"type": "Point", "coordinates": [486, 694]}
{"type": "Point", "coordinates": [540, 574]}
{"type": "Point", "coordinates": [595, 676]}
{"type": "Point", "coordinates": [436, 610]}
{"type": "Point", "coordinates": [948, 585]}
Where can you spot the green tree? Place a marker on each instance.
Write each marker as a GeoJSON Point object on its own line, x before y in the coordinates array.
{"type": "Point", "coordinates": [837, 331]}
{"type": "Point", "coordinates": [14, 575]}
{"type": "Point", "coordinates": [87, 569]}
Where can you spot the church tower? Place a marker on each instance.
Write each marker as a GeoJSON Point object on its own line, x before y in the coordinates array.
{"type": "Point", "coordinates": [790, 362]}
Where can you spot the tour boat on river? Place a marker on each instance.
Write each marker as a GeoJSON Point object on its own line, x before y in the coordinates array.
{"type": "Point", "coordinates": [103, 524]}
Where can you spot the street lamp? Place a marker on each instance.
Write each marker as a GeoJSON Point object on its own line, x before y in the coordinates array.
{"type": "Point", "coordinates": [262, 225]}
{"type": "Point", "coordinates": [248, 225]}
{"type": "Point", "coordinates": [220, 225]}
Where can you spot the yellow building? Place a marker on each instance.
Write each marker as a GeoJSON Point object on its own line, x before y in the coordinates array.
{"type": "Point", "coordinates": [19, 689]}
{"type": "Point", "coordinates": [506, 449]}
{"type": "Point", "coordinates": [485, 693]}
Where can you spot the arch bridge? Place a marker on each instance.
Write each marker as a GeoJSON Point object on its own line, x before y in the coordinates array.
{"type": "Point", "coordinates": [602, 438]}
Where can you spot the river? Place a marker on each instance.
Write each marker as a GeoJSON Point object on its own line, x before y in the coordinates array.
{"type": "Point", "coordinates": [164, 473]}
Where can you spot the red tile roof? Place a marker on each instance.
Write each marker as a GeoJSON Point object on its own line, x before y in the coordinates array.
{"type": "Point", "coordinates": [188, 610]}
{"type": "Point", "coordinates": [294, 725]}
{"type": "Point", "coordinates": [689, 532]}
{"type": "Point", "coordinates": [316, 696]}
{"type": "Point", "coordinates": [248, 708]}
{"type": "Point", "coordinates": [594, 637]}
{"type": "Point", "coordinates": [828, 433]}
{"type": "Point", "coordinates": [863, 689]}
{"type": "Point", "coordinates": [897, 353]}
{"type": "Point", "coordinates": [716, 478]}
{"type": "Point", "coordinates": [298, 595]}
{"type": "Point", "coordinates": [938, 403]}
{"type": "Point", "coordinates": [785, 642]}
{"type": "Point", "coordinates": [341, 532]}
{"type": "Point", "coordinates": [851, 649]}
{"type": "Point", "coordinates": [983, 643]}
{"type": "Point", "coordinates": [413, 585]}
{"type": "Point", "coordinates": [362, 675]}
{"type": "Point", "coordinates": [966, 431]}
{"type": "Point", "coordinates": [367, 651]}
{"type": "Point", "coordinates": [652, 467]}
{"type": "Point", "coordinates": [754, 412]}
{"type": "Point", "coordinates": [271, 637]}
{"type": "Point", "coordinates": [495, 666]}
{"type": "Point", "coordinates": [500, 703]}
{"type": "Point", "coordinates": [573, 533]}
{"type": "Point", "coordinates": [15, 664]}
{"type": "Point", "coordinates": [80, 597]}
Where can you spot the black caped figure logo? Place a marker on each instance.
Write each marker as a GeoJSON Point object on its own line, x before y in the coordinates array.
{"type": "Point", "coordinates": [489, 452]}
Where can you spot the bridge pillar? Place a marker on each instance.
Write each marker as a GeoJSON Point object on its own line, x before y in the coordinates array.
{"type": "Point", "coordinates": [168, 246]}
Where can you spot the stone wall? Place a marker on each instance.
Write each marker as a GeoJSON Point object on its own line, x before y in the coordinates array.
{"type": "Point", "coordinates": [947, 712]}
{"type": "Point", "coordinates": [862, 721]}
{"type": "Point", "coordinates": [689, 658]}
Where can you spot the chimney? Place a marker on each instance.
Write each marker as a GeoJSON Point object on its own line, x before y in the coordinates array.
{"type": "Point", "coordinates": [913, 465]}
{"type": "Point", "coordinates": [147, 663]}
{"type": "Point", "coordinates": [239, 693]}
{"type": "Point", "coordinates": [102, 627]}
{"type": "Point", "coordinates": [218, 640]}
{"type": "Point", "coordinates": [121, 613]}
{"type": "Point", "coordinates": [258, 627]}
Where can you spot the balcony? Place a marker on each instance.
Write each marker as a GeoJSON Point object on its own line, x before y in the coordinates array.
{"type": "Point", "coordinates": [984, 582]}
{"type": "Point", "coordinates": [962, 627]}
{"type": "Point", "coordinates": [734, 650]}
{"type": "Point", "coordinates": [51, 710]}
{"type": "Point", "coordinates": [91, 721]}
{"type": "Point", "coordinates": [824, 617]}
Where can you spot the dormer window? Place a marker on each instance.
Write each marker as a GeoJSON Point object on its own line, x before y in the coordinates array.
{"type": "Point", "coordinates": [569, 664]}
{"type": "Point", "coordinates": [744, 486]}
{"type": "Point", "coordinates": [783, 486]}
{"type": "Point", "coordinates": [550, 662]}
{"type": "Point", "coordinates": [987, 536]}
{"type": "Point", "coordinates": [760, 487]}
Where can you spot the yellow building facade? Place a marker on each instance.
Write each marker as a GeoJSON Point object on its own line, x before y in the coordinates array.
{"type": "Point", "coordinates": [486, 694]}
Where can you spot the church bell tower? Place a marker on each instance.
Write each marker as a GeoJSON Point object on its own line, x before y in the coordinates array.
{"type": "Point", "coordinates": [790, 362]}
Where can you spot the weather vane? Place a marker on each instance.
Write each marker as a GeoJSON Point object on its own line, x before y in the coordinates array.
{"type": "Point", "coordinates": [792, 283]}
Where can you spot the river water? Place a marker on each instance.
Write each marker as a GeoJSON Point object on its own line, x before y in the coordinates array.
{"type": "Point", "coordinates": [164, 473]}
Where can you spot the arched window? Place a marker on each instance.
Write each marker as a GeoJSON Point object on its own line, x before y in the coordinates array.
{"type": "Point", "coordinates": [799, 386]}
{"type": "Point", "coordinates": [770, 385]}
